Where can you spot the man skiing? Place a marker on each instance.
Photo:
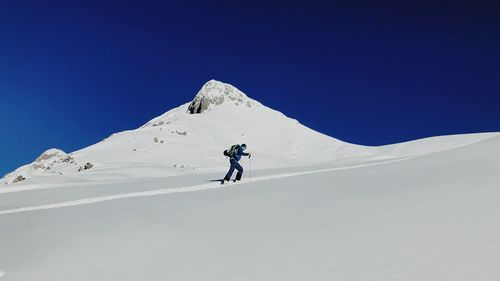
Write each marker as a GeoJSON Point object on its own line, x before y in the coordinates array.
{"type": "Point", "coordinates": [234, 155]}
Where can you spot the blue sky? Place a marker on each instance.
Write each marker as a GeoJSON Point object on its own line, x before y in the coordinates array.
{"type": "Point", "coordinates": [72, 73]}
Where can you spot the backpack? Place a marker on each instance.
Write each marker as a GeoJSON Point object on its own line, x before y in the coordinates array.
{"type": "Point", "coordinates": [232, 151]}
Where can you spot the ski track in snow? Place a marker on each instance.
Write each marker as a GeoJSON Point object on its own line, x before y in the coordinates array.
{"type": "Point", "coordinates": [162, 191]}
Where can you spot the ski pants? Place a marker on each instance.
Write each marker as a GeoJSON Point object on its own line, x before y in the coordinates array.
{"type": "Point", "coordinates": [234, 165]}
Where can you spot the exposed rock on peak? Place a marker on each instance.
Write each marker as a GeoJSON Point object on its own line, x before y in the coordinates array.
{"type": "Point", "coordinates": [211, 95]}
{"type": "Point", "coordinates": [51, 153]}
{"type": "Point", "coordinates": [50, 158]}
{"type": "Point", "coordinates": [216, 93]}
{"type": "Point", "coordinates": [52, 161]}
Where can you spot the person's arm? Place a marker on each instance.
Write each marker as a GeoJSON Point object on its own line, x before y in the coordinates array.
{"type": "Point", "coordinates": [243, 153]}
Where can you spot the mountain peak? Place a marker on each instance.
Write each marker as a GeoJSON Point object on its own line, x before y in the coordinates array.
{"type": "Point", "coordinates": [52, 161]}
{"type": "Point", "coordinates": [214, 93]}
{"type": "Point", "coordinates": [51, 153]}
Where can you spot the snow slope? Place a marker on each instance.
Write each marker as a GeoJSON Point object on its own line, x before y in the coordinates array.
{"type": "Point", "coordinates": [179, 142]}
{"type": "Point", "coordinates": [428, 217]}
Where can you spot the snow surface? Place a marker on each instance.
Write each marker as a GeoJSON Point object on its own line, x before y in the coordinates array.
{"type": "Point", "coordinates": [314, 208]}
{"type": "Point", "coordinates": [431, 217]}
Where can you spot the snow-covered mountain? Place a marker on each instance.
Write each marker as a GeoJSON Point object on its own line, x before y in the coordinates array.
{"type": "Point", "coordinates": [122, 209]}
{"type": "Point", "coordinates": [191, 138]}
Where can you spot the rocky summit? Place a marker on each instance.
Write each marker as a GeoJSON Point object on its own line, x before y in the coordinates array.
{"type": "Point", "coordinates": [215, 93]}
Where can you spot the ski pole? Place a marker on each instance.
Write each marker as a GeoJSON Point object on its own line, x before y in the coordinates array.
{"type": "Point", "coordinates": [250, 166]}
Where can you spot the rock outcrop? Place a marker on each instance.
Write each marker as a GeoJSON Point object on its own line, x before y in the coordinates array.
{"type": "Point", "coordinates": [51, 162]}
{"type": "Point", "coordinates": [18, 179]}
{"type": "Point", "coordinates": [50, 158]}
{"type": "Point", "coordinates": [87, 166]}
{"type": "Point", "coordinates": [215, 93]}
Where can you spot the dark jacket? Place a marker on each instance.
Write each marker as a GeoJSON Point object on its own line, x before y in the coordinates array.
{"type": "Point", "coordinates": [238, 153]}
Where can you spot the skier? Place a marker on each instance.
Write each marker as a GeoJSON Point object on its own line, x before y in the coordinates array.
{"type": "Point", "coordinates": [234, 155]}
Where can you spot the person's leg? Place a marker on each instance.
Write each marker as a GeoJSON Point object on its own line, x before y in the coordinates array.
{"type": "Point", "coordinates": [231, 170]}
{"type": "Point", "coordinates": [240, 171]}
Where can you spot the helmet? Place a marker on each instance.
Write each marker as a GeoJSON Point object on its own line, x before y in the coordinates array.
{"type": "Point", "coordinates": [244, 146]}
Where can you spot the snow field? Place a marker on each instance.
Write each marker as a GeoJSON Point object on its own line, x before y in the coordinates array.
{"type": "Point", "coordinates": [200, 187]}
{"type": "Point", "coordinates": [432, 217]}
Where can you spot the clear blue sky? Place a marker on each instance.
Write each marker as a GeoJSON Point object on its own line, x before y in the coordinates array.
{"type": "Point", "coordinates": [73, 72]}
